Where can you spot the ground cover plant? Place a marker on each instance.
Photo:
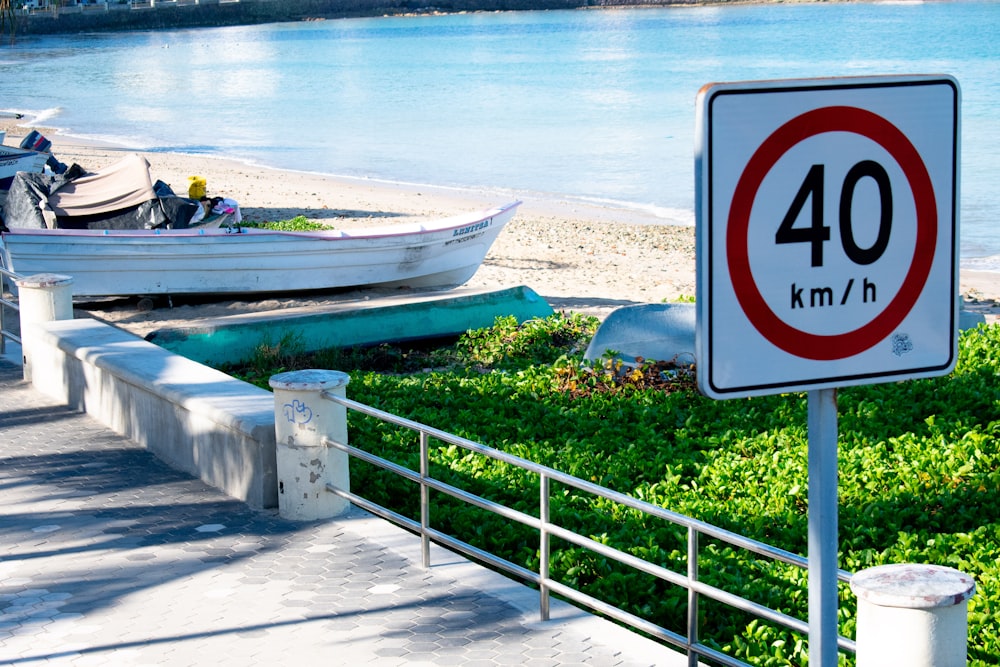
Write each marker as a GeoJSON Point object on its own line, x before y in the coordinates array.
{"type": "Point", "coordinates": [299, 223]}
{"type": "Point", "coordinates": [919, 469]}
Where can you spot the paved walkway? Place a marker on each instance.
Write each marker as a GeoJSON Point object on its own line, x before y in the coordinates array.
{"type": "Point", "coordinates": [109, 557]}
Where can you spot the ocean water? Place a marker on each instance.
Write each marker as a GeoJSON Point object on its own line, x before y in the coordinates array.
{"type": "Point", "coordinates": [596, 105]}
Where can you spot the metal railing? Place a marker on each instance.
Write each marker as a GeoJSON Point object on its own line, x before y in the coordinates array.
{"type": "Point", "coordinates": [689, 580]}
{"type": "Point", "coordinates": [5, 305]}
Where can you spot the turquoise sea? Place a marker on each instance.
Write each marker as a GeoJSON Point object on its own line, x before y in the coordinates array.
{"type": "Point", "coordinates": [591, 104]}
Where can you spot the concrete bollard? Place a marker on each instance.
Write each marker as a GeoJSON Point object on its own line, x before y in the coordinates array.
{"type": "Point", "coordinates": [45, 297]}
{"type": "Point", "coordinates": [913, 615]}
{"type": "Point", "coordinates": [302, 418]}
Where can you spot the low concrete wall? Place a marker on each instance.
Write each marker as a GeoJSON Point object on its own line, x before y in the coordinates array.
{"type": "Point", "coordinates": [193, 417]}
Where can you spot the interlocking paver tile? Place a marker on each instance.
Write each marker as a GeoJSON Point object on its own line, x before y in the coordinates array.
{"type": "Point", "coordinates": [110, 557]}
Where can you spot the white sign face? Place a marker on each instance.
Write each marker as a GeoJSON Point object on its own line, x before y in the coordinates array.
{"type": "Point", "coordinates": [827, 225]}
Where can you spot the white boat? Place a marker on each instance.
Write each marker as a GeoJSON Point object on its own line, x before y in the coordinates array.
{"type": "Point", "coordinates": [125, 262]}
{"type": "Point", "coordinates": [13, 160]}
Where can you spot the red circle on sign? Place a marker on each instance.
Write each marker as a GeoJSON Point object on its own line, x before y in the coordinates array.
{"type": "Point", "coordinates": [819, 121]}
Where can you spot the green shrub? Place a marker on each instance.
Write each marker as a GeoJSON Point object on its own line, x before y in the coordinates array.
{"type": "Point", "coordinates": [919, 473]}
{"type": "Point", "coordinates": [299, 223]}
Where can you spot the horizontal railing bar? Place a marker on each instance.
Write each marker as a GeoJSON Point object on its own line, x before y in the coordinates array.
{"type": "Point", "coordinates": [717, 594]}
{"type": "Point", "coordinates": [675, 578]}
{"type": "Point", "coordinates": [749, 606]}
{"type": "Point", "coordinates": [711, 653]}
{"type": "Point", "coordinates": [375, 508]}
{"type": "Point", "coordinates": [643, 625]}
{"type": "Point", "coordinates": [373, 459]}
{"type": "Point", "coordinates": [438, 485]}
{"type": "Point", "coordinates": [706, 590]}
{"type": "Point", "coordinates": [435, 433]}
{"type": "Point", "coordinates": [703, 528]}
{"type": "Point", "coordinates": [622, 557]}
{"type": "Point", "coordinates": [486, 556]}
{"type": "Point", "coordinates": [654, 510]}
{"type": "Point", "coordinates": [617, 614]}
{"type": "Point", "coordinates": [483, 503]}
{"type": "Point", "coordinates": [437, 536]}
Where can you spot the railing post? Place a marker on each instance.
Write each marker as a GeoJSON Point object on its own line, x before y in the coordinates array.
{"type": "Point", "coordinates": [45, 297]}
{"type": "Point", "coordinates": [425, 501]}
{"type": "Point", "coordinates": [692, 612]}
{"type": "Point", "coordinates": [913, 615]}
{"type": "Point", "coordinates": [544, 545]}
{"type": "Point", "coordinates": [302, 419]}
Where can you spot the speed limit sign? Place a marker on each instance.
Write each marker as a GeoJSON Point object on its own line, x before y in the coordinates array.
{"type": "Point", "coordinates": [827, 224]}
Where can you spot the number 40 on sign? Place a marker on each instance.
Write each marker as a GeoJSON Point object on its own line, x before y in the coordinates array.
{"type": "Point", "coordinates": [827, 223]}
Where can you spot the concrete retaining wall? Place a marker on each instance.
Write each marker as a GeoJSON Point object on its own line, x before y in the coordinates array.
{"type": "Point", "coordinates": [193, 417]}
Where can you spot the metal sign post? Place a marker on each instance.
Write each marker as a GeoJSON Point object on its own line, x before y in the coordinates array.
{"type": "Point", "coordinates": [823, 539]}
{"type": "Point", "coordinates": [827, 237]}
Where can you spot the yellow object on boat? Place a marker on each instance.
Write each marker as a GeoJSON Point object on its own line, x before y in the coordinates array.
{"type": "Point", "coordinates": [196, 187]}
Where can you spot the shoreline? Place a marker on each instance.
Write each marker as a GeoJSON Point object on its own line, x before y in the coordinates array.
{"type": "Point", "coordinates": [209, 13]}
{"type": "Point", "coordinates": [581, 257]}
{"type": "Point", "coordinates": [68, 147]}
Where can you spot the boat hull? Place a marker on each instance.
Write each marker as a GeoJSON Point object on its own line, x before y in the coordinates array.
{"type": "Point", "coordinates": [13, 160]}
{"type": "Point", "coordinates": [435, 255]}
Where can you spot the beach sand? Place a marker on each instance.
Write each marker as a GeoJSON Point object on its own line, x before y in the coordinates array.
{"type": "Point", "coordinates": [578, 257]}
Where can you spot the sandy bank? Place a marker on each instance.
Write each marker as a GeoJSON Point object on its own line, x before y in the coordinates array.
{"type": "Point", "coordinates": [580, 257]}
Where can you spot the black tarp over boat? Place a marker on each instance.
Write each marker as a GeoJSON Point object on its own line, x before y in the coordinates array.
{"type": "Point", "coordinates": [121, 196]}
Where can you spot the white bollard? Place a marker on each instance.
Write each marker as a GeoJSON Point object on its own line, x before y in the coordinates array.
{"type": "Point", "coordinates": [45, 297]}
{"type": "Point", "coordinates": [913, 615]}
{"type": "Point", "coordinates": [302, 418]}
